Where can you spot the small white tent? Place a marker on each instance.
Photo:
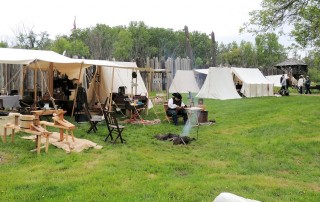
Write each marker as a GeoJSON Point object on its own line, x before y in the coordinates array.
{"type": "Point", "coordinates": [219, 85]}
{"type": "Point", "coordinates": [184, 81]}
{"type": "Point", "coordinates": [254, 84]}
{"type": "Point", "coordinates": [275, 79]}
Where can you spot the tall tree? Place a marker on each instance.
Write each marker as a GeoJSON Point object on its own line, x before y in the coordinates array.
{"type": "Point", "coordinates": [303, 15]}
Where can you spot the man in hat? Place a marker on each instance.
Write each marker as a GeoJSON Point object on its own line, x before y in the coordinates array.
{"type": "Point", "coordinates": [177, 107]}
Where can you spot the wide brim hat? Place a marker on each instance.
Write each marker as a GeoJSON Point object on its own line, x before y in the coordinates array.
{"type": "Point", "coordinates": [177, 95]}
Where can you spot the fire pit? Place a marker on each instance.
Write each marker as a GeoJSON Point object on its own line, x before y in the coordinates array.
{"type": "Point", "coordinates": [176, 139]}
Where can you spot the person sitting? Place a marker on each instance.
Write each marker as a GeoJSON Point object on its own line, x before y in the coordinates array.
{"type": "Point", "coordinates": [177, 107]}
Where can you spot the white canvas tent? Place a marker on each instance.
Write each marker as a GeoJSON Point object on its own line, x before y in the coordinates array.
{"type": "Point", "coordinates": [275, 79]}
{"type": "Point", "coordinates": [254, 84]}
{"type": "Point", "coordinates": [184, 81]}
{"type": "Point", "coordinates": [122, 76]}
{"type": "Point", "coordinates": [219, 85]}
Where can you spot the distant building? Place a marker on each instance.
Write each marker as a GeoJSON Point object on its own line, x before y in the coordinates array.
{"type": "Point", "coordinates": [294, 67]}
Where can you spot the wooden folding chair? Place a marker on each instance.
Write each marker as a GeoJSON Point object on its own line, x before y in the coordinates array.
{"type": "Point", "coordinates": [92, 120]}
{"type": "Point", "coordinates": [113, 126]}
{"type": "Point", "coordinates": [165, 108]}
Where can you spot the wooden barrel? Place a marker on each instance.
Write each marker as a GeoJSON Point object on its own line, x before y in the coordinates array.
{"type": "Point", "coordinates": [203, 117]}
{"type": "Point", "coordinates": [26, 121]}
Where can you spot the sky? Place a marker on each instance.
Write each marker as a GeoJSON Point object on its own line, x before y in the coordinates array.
{"type": "Point", "coordinates": [224, 17]}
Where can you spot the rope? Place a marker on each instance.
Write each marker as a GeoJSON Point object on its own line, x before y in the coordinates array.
{"type": "Point", "coordinates": [46, 86]}
{"type": "Point", "coordinates": [14, 76]}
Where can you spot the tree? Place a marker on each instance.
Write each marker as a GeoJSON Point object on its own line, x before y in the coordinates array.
{"type": "Point", "coordinates": [302, 15]}
{"type": "Point", "coordinates": [269, 51]}
{"type": "Point", "coordinates": [32, 40]}
{"type": "Point", "coordinates": [3, 44]}
{"type": "Point", "coordinates": [123, 46]}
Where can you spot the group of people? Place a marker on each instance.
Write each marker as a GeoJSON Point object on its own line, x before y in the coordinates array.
{"type": "Point", "coordinates": [304, 82]}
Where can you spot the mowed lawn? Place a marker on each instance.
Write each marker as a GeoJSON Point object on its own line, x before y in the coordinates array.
{"type": "Point", "coordinates": [266, 149]}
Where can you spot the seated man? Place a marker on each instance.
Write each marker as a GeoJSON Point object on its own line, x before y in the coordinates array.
{"type": "Point", "coordinates": [177, 107]}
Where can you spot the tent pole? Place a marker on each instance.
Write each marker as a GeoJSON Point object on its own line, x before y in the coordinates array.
{"type": "Point", "coordinates": [110, 101]}
{"type": "Point", "coordinates": [50, 76]}
{"type": "Point", "coordinates": [75, 94]}
{"type": "Point", "coordinates": [21, 80]}
{"type": "Point", "coordinates": [35, 87]}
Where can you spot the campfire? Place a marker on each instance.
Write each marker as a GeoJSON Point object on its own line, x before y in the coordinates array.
{"type": "Point", "coordinates": [176, 139]}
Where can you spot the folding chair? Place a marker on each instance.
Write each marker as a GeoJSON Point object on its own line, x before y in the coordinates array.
{"type": "Point", "coordinates": [92, 120]}
{"type": "Point", "coordinates": [113, 126]}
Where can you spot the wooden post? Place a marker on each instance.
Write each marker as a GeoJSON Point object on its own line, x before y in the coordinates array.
{"type": "Point", "coordinates": [35, 79]}
{"type": "Point", "coordinates": [110, 101]}
{"type": "Point", "coordinates": [50, 79]}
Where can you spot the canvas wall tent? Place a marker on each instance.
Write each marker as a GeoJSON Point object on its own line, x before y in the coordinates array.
{"type": "Point", "coordinates": [121, 75]}
{"type": "Point", "coordinates": [219, 85]}
{"type": "Point", "coordinates": [184, 81]}
{"type": "Point", "coordinates": [254, 84]}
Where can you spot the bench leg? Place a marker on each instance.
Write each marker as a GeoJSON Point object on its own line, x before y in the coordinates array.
{"type": "Point", "coordinates": [5, 135]}
{"type": "Point", "coordinates": [72, 136]}
{"type": "Point", "coordinates": [67, 134]}
{"type": "Point", "coordinates": [38, 140]}
{"type": "Point", "coordinates": [12, 136]}
{"type": "Point", "coordinates": [47, 143]}
{"type": "Point", "coordinates": [61, 135]}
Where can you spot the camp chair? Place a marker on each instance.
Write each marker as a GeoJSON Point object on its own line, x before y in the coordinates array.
{"type": "Point", "coordinates": [113, 126]}
{"type": "Point", "coordinates": [165, 108]}
{"type": "Point", "coordinates": [92, 120]}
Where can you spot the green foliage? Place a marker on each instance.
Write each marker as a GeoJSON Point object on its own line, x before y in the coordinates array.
{"type": "Point", "coordinates": [269, 51]}
{"type": "Point", "coordinates": [123, 46]}
{"type": "Point", "coordinates": [261, 148]}
{"type": "Point", "coordinates": [3, 44]}
{"type": "Point", "coordinates": [313, 62]}
{"type": "Point", "coordinates": [198, 62]}
{"type": "Point", "coordinates": [304, 15]}
{"type": "Point", "coordinates": [32, 40]}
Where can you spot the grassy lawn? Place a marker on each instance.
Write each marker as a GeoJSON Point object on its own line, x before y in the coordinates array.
{"type": "Point", "coordinates": [266, 149]}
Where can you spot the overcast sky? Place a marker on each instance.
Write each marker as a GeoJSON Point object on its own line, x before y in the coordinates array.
{"type": "Point", "coordinates": [224, 17]}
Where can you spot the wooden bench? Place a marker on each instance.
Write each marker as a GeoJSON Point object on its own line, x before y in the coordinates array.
{"type": "Point", "coordinates": [35, 130]}
{"type": "Point", "coordinates": [61, 128]}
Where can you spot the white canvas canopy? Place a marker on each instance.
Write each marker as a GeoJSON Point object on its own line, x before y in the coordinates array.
{"type": "Point", "coordinates": [122, 76]}
{"type": "Point", "coordinates": [219, 85]}
{"type": "Point", "coordinates": [184, 81]}
{"type": "Point", "coordinates": [42, 59]}
{"type": "Point", "coordinates": [254, 84]}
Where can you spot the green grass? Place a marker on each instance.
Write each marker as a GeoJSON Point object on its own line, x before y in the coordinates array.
{"type": "Point", "coordinates": [266, 149]}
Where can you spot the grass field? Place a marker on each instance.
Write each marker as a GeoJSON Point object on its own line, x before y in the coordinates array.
{"type": "Point", "coordinates": [266, 149]}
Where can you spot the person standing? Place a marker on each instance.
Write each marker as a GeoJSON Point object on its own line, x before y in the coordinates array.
{"type": "Point", "coordinates": [283, 85]}
{"type": "Point", "coordinates": [177, 107]}
{"type": "Point", "coordinates": [307, 85]}
{"type": "Point", "coordinates": [300, 83]}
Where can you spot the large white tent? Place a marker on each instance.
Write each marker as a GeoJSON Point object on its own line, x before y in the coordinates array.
{"type": "Point", "coordinates": [219, 85]}
{"type": "Point", "coordinates": [254, 84]}
{"type": "Point", "coordinates": [184, 81]}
